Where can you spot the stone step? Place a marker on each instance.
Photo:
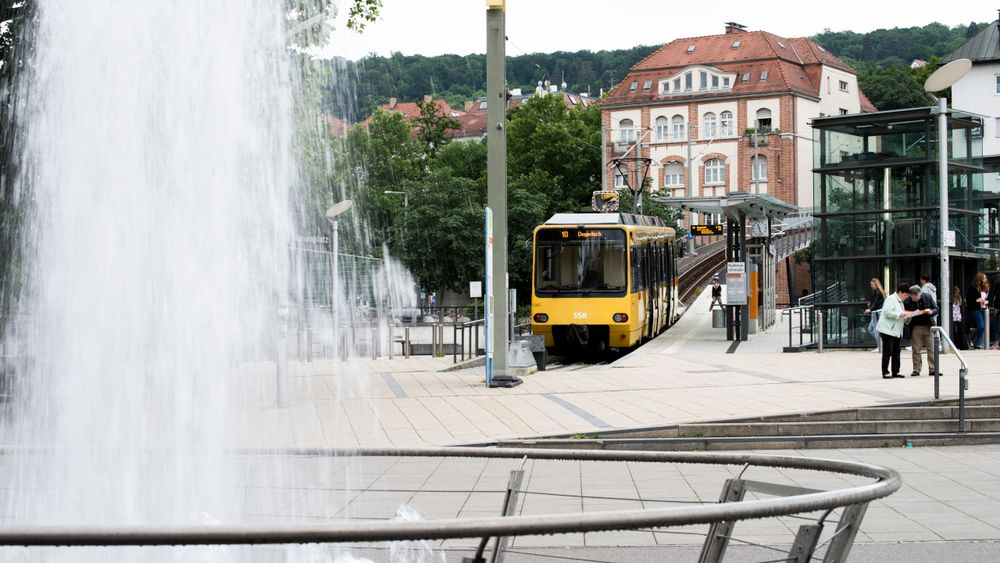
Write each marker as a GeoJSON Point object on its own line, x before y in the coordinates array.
{"type": "Point", "coordinates": [886, 413]}
{"type": "Point", "coordinates": [759, 429]}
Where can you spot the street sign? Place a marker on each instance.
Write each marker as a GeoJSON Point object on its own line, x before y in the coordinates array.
{"type": "Point", "coordinates": [949, 239]}
{"type": "Point", "coordinates": [475, 289]}
{"type": "Point", "coordinates": [736, 283]}
{"type": "Point", "coordinates": [604, 201]}
{"type": "Point", "coordinates": [706, 230]}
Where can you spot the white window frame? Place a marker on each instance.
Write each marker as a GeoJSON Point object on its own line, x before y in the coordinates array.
{"type": "Point", "coordinates": [996, 127]}
{"type": "Point", "coordinates": [762, 114]}
{"type": "Point", "coordinates": [662, 128]}
{"type": "Point", "coordinates": [678, 127]}
{"type": "Point", "coordinates": [715, 172]}
{"type": "Point", "coordinates": [619, 179]}
{"type": "Point", "coordinates": [758, 168]}
{"type": "Point", "coordinates": [673, 180]}
{"type": "Point", "coordinates": [997, 78]}
{"type": "Point", "coordinates": [726, 123]}
{"type": "Point", "coordinates": [626, 134]}
{"type": "Point", "coordinates": [843, 86]}
{"type": "Point", "coordinates": [709, 126]}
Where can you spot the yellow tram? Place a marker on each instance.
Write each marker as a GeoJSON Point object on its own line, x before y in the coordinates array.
{"type": "Point", "coordinates": [602, 281]}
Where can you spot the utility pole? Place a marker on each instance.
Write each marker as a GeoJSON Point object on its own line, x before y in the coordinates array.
{"type": "Point", "coordinates": [690, 191]}
{"type": "Point", "coordinates": [496, 177]}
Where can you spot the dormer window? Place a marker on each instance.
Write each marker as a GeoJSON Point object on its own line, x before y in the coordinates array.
{"type": "Point", "coordinates": [688, 81]}
{"type": "Point", "coordinates": [634, 85]}
{"type": "Point", "coordinates": [647, 84]}
{"type": "Point", "coordinates": [695, 78]}
{"type": "Point", "coordinates": [763, 76]}
{"type": "Point", "coordinates": [746, 77]}
{"type": "Point", "coordinates": [691, 49]}
{"type": "Point", "coordinates": [780, 44]}
{"type": "Point", "coordinates": [737, 43]}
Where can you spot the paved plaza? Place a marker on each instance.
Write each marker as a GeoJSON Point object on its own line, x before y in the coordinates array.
{"type": "Point", "coordinates": [948, 508]}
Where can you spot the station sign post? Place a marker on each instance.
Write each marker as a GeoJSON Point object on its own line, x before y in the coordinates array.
{"type": "Point", "coordinates": [736, 283]}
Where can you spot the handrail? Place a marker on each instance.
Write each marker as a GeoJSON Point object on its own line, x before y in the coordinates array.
{"type": "Point", "coordinates": [805, 313]}
{"type": "Point", "coordinates": [884, 481]}
{"type": "Point", "coordinates": [940, 337]}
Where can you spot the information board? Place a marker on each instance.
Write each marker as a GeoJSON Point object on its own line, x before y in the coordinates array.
{"type": "Point", "coordinates": [706, 230]}
{"type": "Point", "coordinates": [736, 283]}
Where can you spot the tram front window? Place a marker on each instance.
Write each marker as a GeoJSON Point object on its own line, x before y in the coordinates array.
{"type": "Point", "coordinates": [577, 262]}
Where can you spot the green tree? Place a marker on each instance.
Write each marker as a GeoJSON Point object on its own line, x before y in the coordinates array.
{"type": "Point", "coordinates": [893, 87]}
{"type": "Point", "coordinates": [432, 126]}
{"type": "Point", "coordinates": [563, 145]}
{"type": "Point", "coordinates": [444, 245]}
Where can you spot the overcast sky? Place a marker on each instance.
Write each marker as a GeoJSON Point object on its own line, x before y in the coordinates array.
{"type": "Point", "coordinates": [434, 27]}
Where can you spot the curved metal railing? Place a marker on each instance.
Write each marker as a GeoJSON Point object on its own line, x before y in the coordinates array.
{"type": "Point", "coordinates": [796, 501]}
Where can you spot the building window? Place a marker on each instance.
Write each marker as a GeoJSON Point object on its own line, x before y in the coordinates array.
{"type": "Point", "coordinates": [626, 131]}
{"type": "Point", "coordinates": [619, 179]}
{"type": "Point", "coordinates": [763, 76]}
{"type": "Point", "coordinates": [647, 84]}
{"type": "Point", "coordinates": [843, 85]}
{"type": "Point", "coordinates": [759, 168]}
{"type": "Point", "coordinates": [708, 130]}
{"type": "Point", "coordinates": [725, 82]}
{"type": "Point", "coordinates": [998, 84]}
{"type": "Point", "coordinates": [633, 85]}
{"type": "Point", "coordinates": [677, 84]}
{"type": "Point", "coordinates": [691, 49]}
{"type": "Point", "coordinates": [996, 125]}
{"type": "Point", "coordinates": [843, 111]}
{"type": "Point", "coordinates": [673, 175]}
{"type": "Point", "coordinates": [746, 77]}
{"type": "Point", "coordinates": [736, 44]}
{"type": "Point", "coordinates": [763, 118]}
{"type": "Point", "coordinates": [715, 81]}
{"type": "Point", "coordinates": [688, 79]}
{"type": "Point", "coordinates": [714, 172]}
{"type": "Point", "coordinates": [678, 122]}
{"type": "Point", "coordinates": [704, 80]}
{"type": "Point", "coordinates": [727, 123]}
{"type": "Point", "coordinates": [662, 128]}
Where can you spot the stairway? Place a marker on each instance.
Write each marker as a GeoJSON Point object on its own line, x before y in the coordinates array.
{"type": "Point", "coordinates": [911, 424]}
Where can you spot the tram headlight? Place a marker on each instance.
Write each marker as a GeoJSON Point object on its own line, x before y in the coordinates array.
{"type": "Point", "coordinates": [541, 318]}
{"type": "Point", "coordinates": [620, 317]}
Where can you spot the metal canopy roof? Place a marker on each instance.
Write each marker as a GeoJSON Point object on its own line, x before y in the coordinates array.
{"type": "Point", "coordinates": [734, 205]}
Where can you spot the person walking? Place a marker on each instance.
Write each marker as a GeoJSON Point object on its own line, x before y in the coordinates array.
{"type": "Point", "coordinates": [958, 319]}
{"type": "Point", "coordinates": [890, 328]}
{"type": "Point", "coordinates": [716, 294]}
{"type": "Point", "coordinates": [976, 301]}
{"type": "Point", "coordinates": [875, 301]}
{"type": "Point", "coordinates": [920, 327]}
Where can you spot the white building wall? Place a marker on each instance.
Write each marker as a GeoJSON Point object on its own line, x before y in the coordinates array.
{"type": "Point", "coordinates": [976, 92]}
{"type": "Point", "coordinates": [616, 116]}
{"type": "Point", "coordinates": [832, 98]}
{"type": "Point", "coordinates": [805, 111]}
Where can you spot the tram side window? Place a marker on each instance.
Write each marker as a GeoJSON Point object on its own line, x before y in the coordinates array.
{"type": "Point", "coordinates": [638, 283]}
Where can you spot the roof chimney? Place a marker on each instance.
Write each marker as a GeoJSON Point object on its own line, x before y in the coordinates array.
{"type": "Point", "coordinates": [392, 103]}
{"type": "Point", "coordinates": [427, 98]}
{"type": "Point", "coordinates": [733, 27]}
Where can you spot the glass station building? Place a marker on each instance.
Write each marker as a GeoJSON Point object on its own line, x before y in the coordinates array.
{"type": "Point", "coordinates": [877, 209]}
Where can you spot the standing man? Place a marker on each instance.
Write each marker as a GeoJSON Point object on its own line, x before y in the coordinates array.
{"type": "Point", "coordinates": [920, 326]}
{"type": "Point", "coordinates": [890, 328]}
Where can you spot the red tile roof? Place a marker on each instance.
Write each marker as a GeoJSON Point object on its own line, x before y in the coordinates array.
{"type": "Point", "coordinates": [337, 126]}
{"type": "Point", "coordinates": [791, 65]}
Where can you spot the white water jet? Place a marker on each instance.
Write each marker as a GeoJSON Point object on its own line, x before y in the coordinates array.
{"type": "Point", "coordinates": [158, 155]}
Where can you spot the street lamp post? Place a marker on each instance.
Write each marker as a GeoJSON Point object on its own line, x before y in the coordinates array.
{"type": "Point", "coordinates": [332, 214]}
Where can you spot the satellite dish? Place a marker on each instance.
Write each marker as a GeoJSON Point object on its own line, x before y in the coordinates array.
{"type": "Point", "coordinates": [947, 75]}
{"type": "Point", "coordinates": [338, 208]}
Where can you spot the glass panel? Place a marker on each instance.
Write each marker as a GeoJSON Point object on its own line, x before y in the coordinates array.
{"type": "Point", "coordinates": [574, 262]}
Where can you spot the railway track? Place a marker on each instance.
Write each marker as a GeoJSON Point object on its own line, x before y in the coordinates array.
{"type": "Point", "coordinates": [698, 270]}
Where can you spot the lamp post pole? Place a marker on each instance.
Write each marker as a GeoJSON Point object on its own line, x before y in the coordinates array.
{"type": "Point", "coordinates": [945, 311]}
{"type": "Point", "coordinates": [690, 190]}
{"type": "Point", "coordinates": [332, 214]}
{"type": "Point", "coordinates": [496, 175]}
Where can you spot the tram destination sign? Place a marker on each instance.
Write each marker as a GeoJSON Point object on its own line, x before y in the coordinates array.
{"type": "Point", "coordinates": [706, 230]}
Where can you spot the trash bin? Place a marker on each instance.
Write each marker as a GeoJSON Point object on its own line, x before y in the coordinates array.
{"type": "Point", "coordinates": [718, 318]}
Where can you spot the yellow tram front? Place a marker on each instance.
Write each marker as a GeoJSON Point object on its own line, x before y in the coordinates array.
{"type": "Point", "coordinates": [588, 290]}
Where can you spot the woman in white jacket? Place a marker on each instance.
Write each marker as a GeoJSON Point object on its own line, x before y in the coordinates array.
{"type": "Point", "coordinates": [890, 328]}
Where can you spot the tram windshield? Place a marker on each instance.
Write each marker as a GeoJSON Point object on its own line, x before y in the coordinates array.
{"type": "Point", "coordinates": [572, 262]}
